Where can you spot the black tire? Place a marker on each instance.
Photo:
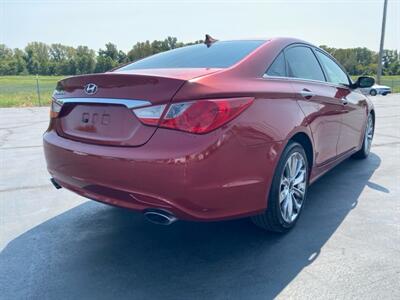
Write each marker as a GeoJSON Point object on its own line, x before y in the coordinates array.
{"type": "Point", "coordinates": [272, 219]}
{"type": "Point", "coordinates": [373, 92]}
{"type": "Point", "coordinates": [366, 148]}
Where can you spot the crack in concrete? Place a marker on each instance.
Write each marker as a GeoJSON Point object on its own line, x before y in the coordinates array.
{"type": "Point", "coordinates": [385, 144]}
{"type": "Point", "coordinates": [21, 147]}
{"type": "Point", "coordinates": [26, 188]}
{"type": "Point", "coordinates": [22, 126]}
{"type": "Point", "coordinates": [388, 135]}
{"type": "Point", "coordinates": [5, 137]}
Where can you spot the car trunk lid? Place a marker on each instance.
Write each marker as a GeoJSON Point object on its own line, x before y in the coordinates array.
{"type": "Point", "coordinates": [103, 113]}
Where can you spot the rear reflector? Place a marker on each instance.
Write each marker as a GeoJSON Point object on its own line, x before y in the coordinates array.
{"type": "Point", "coordinates": [199, 116]}
{"type": "Point", "coordinates": [150, 115]}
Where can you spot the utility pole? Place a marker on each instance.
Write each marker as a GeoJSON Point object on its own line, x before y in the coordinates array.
{"type": "Point", "coordinates": [379, 73]}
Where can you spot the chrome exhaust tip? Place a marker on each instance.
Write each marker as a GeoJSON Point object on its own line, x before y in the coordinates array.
{"type": "Point", "coordinates": [160, 217]}
{"type": "Point", "coordinates": [55, 183]}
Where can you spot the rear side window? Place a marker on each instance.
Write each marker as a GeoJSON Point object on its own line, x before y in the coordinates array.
{"type": "Point", "coordinates": [217, 55]}
{"type": "Point", "coordinates": [302, 63]}
{"type": "Point", "coordinates": [333, 71]}
{"type": "Point", "coordinates": [278, 67]}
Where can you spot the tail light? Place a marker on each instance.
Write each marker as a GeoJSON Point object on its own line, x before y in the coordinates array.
{"type": "Point", "coordinates": [150, 115]}
{"type": "Point", "coordinates": [200, 116]}
{"type": "Point", "coordinates": [55, 108]}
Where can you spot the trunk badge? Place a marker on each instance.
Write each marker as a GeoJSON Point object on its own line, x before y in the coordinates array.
{"type": "Point", "coordinates": [90, 89]}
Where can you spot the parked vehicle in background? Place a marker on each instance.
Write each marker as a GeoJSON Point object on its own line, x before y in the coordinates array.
{"type": "Point", "coordinates": [377, 89]}
{"type": "Point", "coordinates": [213, 131]}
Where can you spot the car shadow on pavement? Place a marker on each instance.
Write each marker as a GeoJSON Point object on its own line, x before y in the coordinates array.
{"type": "Point", "coordinates": [96, 251]}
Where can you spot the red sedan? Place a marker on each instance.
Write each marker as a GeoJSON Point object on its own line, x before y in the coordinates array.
{"type": "Point", "coordinates": [213, 131]}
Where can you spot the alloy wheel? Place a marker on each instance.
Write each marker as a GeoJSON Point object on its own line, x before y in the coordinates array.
{"type": "Point", "coordinates": [369, 133]}
{"type": "Point", "coordinates": [292, 187]}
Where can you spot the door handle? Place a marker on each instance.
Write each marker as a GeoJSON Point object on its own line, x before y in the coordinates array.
{"type": "Point", "coordinates": [344, 101]}
{"type": "Point", "coordinates": [307, 94]}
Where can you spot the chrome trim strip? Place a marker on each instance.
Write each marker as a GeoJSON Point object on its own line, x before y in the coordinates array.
{"type": "Point", "coordinates": [265, 76]}
{"type": "Point", "coordinates": [129, 103]}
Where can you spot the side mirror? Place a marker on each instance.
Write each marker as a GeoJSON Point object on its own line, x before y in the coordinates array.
{"type": "Point", "coordinates": [364, 82]}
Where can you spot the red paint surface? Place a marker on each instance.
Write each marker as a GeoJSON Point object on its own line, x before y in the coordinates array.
{"type": "Point", "coordinates": [222, 174]}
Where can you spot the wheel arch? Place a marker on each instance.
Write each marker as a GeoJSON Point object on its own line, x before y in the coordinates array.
{"type": "Point", "coordinates": [305, 141]}
{"type": "Point", "coordinates": [372, 112]}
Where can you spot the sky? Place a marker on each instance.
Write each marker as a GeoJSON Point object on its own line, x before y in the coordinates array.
{"type": "Point", "coordinates": [340, 24]}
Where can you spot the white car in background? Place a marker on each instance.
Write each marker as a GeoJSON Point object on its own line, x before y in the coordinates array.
{"type": "Point", "coordinates": [377, 89]}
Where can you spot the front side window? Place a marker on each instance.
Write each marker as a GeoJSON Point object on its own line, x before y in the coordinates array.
{"type": "Point", "coordinates": [278, 67]}
{"type": "Point", "coordinates": [333, 71]}
{"type": "Point", "coordinates": [303, 64]}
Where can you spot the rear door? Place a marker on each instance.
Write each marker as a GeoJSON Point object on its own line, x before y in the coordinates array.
{"type": "Point", "coordinates": [317, 100]}
{"type": "Point", "coordinates": [354, 105]}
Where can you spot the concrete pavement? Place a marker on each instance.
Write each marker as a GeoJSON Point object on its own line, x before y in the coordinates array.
{"type": "Point", "coordinates": [57, 245]}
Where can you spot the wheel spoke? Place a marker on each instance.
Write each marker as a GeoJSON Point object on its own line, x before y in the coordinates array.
{"type": "Point", "coordinates": [284, 206]}
{"type": "Point", "coordinates": [300, 178]}
{"type": "Point", "coordinates": [296, 202]}
{"type": "Point", "coordinates": [299, 191]}
{"type": "Point", "coordinates": [289, 167]}
{"type": "Point", "coordinates": [370, 128]}
{"type": "Point", "coordinates": [299, 165]}
{"type": "Point", "coordinates": [283, 194]}
{"type": "Point", "coordinates": [293, 166]}
{"type": "Point", "coordinates": [286, 172]}
{"type": "Point", "coordinates": [290, 208]}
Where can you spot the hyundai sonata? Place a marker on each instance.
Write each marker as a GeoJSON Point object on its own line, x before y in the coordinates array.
{"type": "Point", "coordinates": [213, 131]}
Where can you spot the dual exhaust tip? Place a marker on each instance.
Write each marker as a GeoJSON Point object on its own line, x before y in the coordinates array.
{"type": "Point", "coordinates": [55, 183]}
{"type": "Point", "coordinates": [160, 217]}
{"type": "Point", "coordinates": [156, 216]}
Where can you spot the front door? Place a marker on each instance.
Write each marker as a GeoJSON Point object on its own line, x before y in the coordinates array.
{"type": "Point", "coordinates": [353, 122]}
{"type": "Point", "coordinates": [354, 106]}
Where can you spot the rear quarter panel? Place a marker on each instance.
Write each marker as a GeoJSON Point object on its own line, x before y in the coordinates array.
{"type": "Point", "coordinates": [254, 141]}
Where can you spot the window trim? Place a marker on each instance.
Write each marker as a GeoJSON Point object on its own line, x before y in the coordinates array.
{"type": "Point", "coordinates": [285, 62]}
{"type": "Point", "coordinates": [319, 64]}
{"type": "Point", "coordinates": [336, 62]}
{"type": "Point", "coordinates": [313, 48]}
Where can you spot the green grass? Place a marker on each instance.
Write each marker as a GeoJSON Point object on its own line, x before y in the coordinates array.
{"type": "Point", "coordinates": [393, 82]}
{"type": "Point", "coordinates": [21, 90]}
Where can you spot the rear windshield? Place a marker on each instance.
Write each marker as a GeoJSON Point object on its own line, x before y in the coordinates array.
{"type": "Point", "coordinates": [218, 55]}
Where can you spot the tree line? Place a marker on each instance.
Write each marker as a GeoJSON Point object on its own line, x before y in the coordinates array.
{"type": "Point", "coordinates": [58, 59]}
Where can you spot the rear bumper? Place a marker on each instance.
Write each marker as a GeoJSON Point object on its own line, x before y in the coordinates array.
{"type": "Point", "coordinates": [216, 176]}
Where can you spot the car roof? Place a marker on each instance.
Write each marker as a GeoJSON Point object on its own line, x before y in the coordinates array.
{"type": "Point", "coordinates": [281, 39]}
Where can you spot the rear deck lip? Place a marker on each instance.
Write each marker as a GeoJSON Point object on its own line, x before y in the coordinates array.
{"type": "Point", "coordinates": [128, 103]}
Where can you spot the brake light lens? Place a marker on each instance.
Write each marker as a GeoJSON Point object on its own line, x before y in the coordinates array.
{"type": "Point", "coordinates": [55, 108]}
{"type": "Point", "coordinates": [199, 117]}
